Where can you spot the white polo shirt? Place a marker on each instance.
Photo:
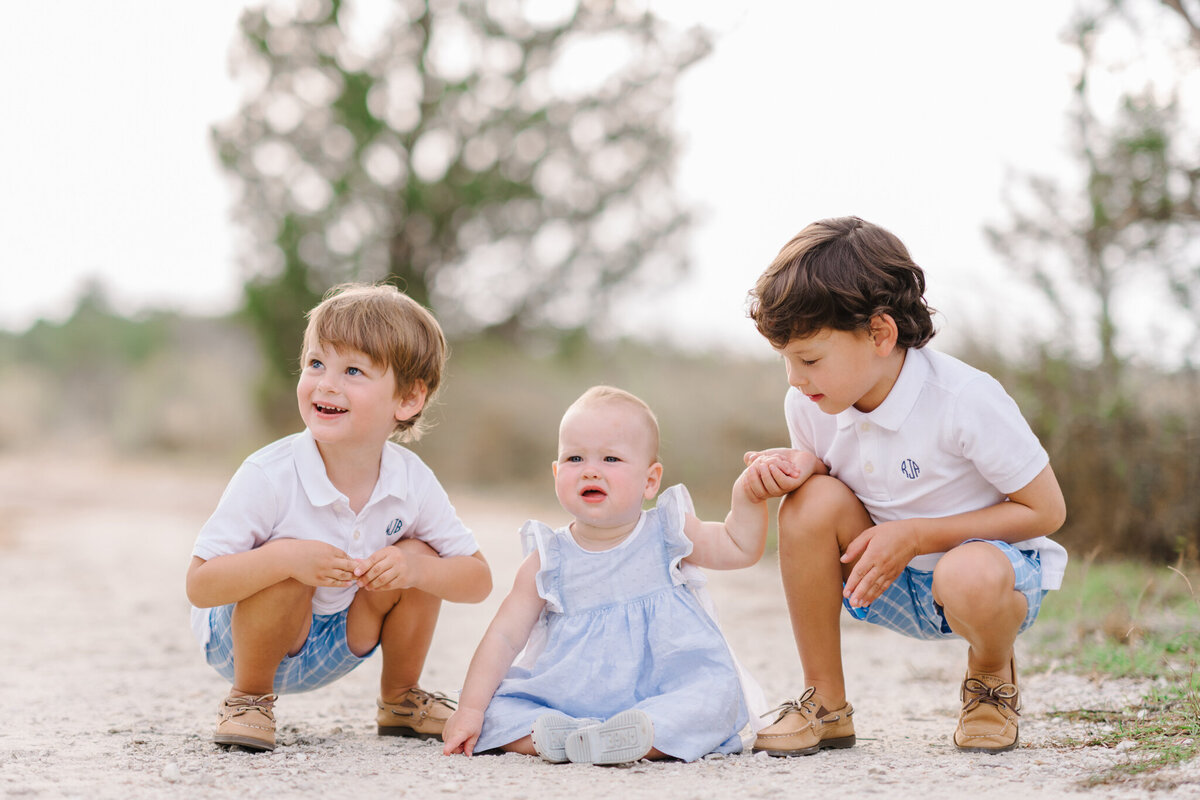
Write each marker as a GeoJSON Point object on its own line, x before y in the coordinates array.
{"type": "Point", "coordinates": [946, 440]}
{"type": "Point", "coordinates": [283, 492]}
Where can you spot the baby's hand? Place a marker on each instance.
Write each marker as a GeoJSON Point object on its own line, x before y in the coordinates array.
{"type": "Point", "coordinates": [776, 472]}
{"type": "Point", "coordinates": [462, 731]}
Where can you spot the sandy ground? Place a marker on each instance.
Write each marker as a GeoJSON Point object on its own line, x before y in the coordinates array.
{"type": "Point", "coordinates": [104, 693]}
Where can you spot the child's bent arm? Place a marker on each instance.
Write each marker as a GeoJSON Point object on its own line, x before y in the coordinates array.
{"type": "Point", "coordinates": [458, 579]}
{"type": "Point", "coordinates": [504, 639]}
{"type": "Point", "coordinates": [412, 564]}
{"type": "Point", "coordinates": [739, 541]}
{"type": "Point", "coordinates": [230, 578]}
{"type": "Point", "coordinates": [1037, 509]}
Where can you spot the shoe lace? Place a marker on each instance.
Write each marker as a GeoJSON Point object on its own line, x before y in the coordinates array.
{"type": "Point", "coordinates": [435, 697]}
{"type": "Point", "coordinates": [804, 704]}
{"type": "Point", "coordinates": [998, 696]}
{"type": "Point", "coordinates": [417, 702]}
{"type": "Point", "coordinates": [262, 703]}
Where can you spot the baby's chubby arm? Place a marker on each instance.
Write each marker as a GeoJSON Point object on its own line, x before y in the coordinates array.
{"type": "Point", "coordinates": [504, 639]}
{"type": "Point", "coordinates": [412, 564]}
{"type": "Point", "coordinates": [739, 540]}
{"type": "Point", "coordinates": [234, 577]}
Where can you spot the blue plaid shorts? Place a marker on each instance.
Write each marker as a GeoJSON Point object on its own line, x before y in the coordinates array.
{"type": "Point", "coordinates": [324, 658]}
{"type": "Point", "coordinates": [907, 605]}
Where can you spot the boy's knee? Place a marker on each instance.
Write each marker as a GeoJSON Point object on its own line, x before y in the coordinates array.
{"type": "Point", "coordinates": [821, 504]}
{"type": "Point", "coordinates": [286, 593]}
{"type": "Point", "coordinates": [973, 573]}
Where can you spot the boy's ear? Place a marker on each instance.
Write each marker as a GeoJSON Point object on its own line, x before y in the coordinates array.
{"type": "Point", "coordinates": [408, 407]}
{"type": "Point", "coordinates": [884, 333]}
{"type": "Point", "coordinates": [653, 479]}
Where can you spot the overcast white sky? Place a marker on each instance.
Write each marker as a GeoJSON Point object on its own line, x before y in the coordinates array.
{"type": "Point", "coordinates": [908, 114]}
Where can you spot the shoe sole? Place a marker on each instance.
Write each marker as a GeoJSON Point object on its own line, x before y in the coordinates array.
{"type": "Point", "coordinates": [404, 730]}
{"type": "Point", "coordinates": [840, 743]}
{"type": "Point", "coordinates": [1004, 749]}
{"type": "Point", "coordinates": [626, 737]}
{"type": "Point", "coordinates": [550, 732]}
{"type": "Point", "coordinates": [247, 742]}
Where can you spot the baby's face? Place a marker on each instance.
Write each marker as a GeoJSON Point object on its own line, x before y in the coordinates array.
{"type": "Point", "coordinates": [606, 465]}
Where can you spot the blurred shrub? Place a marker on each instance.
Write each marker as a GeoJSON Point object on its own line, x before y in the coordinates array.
{"type": "Point", "coordinates": [160, 383]}
{"type": "Point", "coordinates": [1128, 459]}
{"type": "Point", "coordinates": [1130, 469]}
{"type": "Point", "coordinates": [499, 411]}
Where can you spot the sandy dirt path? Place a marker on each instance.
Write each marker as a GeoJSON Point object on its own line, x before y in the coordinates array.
{"type": "Point", "coordinates": [103, 692]}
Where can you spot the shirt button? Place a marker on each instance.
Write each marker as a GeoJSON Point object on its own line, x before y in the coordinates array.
{"type": "Point", "coordinates": [867, 468]}
{"type": "Point", "coordinates": [357, 535]}
{"type": "Point", "coordinates": [866, 426]}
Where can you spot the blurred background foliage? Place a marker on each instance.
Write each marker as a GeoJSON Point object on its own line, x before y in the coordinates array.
{"type": "Point", "coordinates": [512, 172]}
{"type": "Point", "coordinates": [449, 154]}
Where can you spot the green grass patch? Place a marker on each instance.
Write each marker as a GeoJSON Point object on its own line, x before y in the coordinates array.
{"type": "Point", "coordinates": [1136, 621]}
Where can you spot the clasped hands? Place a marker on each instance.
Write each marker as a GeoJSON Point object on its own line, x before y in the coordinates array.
{"type": "Point", "coordinates": [321, 564]}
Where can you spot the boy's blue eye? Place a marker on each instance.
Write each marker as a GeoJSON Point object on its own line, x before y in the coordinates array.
{"type": "Point", "coordinates": [611, 459]}
{"type": "Point", "coordinates": [315, 364]}
{"type": "Point", "coordinates": [353, 371]}
{"type": "Point", "coordinates": [574, 459]}
{"type": "Point", "coordinates": [808, 363]}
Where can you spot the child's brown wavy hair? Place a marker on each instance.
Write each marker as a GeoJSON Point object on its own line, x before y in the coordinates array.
{"type": "Point", "coordinates": [837, 274]}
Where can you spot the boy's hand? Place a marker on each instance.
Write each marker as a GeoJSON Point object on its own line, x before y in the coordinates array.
{"type": "Point", "coordinates": [316, 563]}
{"type": "Point", "coordinates": [389, 567]}
{"type": "Point", "coordinates": [881, 552]}
{"type": "Point", "coordinates": [778, 471]}
{"type": "Point", "coordinates": [462, 731]}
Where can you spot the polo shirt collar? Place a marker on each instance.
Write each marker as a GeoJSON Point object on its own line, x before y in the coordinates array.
{"type": "Point", "coordinates": [393, 472]}
{"type": "Point", "coordinates": [311, 469]}
{"type": "Point", "coordinates": [900, 401]}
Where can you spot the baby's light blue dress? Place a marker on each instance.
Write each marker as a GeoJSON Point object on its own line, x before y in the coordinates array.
{"type": "Point", "coordinates": [624, 628]}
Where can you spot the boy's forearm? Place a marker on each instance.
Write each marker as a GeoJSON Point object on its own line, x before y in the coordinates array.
{"type": "Point", "coordinates": [457, 579]}
{"type": "Point", "coordinates": [1035, 510]}
{"type": "Point", "coordinates": [234, 577]}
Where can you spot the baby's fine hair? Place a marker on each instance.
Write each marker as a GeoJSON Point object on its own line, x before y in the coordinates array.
{"type": "Point", "coordinates": [837, 274]}
{"type": "Point", "coordinates": [598, 394]}
{"type": "Point", "coordinates": [391, 329]}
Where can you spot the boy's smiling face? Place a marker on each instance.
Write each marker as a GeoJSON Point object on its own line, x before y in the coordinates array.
{"type": "Point", "coordinates": [839, 369]}
{"type": "Point", "coordinates": [347, 399]}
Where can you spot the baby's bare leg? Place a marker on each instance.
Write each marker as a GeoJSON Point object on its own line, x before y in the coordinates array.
{"type": "Point", "coordinates": [266, 627]}
{"type": "Point", "coordinates": [402, 622]}
{"type": "Point", "coordinates": [975, 585]}
{"type": "Point", "coordinates": [816, 523]}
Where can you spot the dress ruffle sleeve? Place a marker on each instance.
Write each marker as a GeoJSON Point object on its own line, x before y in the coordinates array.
{"type": "Point", "coordinates": [541, 537]}
{"type": "Point", "coordinates": [674, 504]}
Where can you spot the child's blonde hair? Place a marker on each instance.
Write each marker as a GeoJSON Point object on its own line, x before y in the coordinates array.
{"type": "Point", "coordinates": [599, 394]}
{"type": "Point", "coordinates": [391, 329]}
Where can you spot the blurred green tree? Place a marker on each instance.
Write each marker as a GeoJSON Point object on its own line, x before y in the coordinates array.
{"type": "Point", "coordinates": [1137, 217]}
{"type": "Point", "coordinates": [508, 164]}
{"type": "Point", "coordinates": [1123, 437]}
